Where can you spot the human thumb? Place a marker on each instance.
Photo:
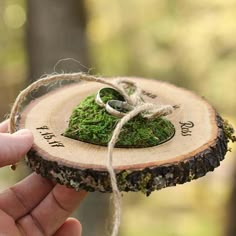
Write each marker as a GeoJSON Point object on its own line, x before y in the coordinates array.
{"type": "Point", "coordinates": [14, 146]}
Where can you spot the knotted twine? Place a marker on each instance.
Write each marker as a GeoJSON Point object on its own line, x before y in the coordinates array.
{"type": "Point", "coordinates": [151, 111]}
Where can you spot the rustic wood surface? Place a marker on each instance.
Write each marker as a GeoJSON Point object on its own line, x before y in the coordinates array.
{"type": "Point", "coordinates": [197, 147]}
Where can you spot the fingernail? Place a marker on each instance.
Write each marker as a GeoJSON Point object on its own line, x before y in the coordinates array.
{"type": "Point", "coordinates": [24, 132]}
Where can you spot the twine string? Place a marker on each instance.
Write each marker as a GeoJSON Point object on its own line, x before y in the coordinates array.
{"type": "Point", "coordinates": [52, 79]}
{"type": "Point", "coordinates": [111, 145]}
{"type": "Point", "coordinates": [148, 110]}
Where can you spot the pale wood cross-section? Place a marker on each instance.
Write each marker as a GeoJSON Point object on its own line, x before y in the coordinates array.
{"type": "Point", "coordinates": [198, 131]}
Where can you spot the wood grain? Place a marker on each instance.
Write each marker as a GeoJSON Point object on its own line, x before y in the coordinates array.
{"type": "Point", "coordinates": [197, 147]}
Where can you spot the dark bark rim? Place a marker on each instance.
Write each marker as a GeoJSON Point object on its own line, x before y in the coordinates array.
{"type": "Point", "coordinates": [145, 180]}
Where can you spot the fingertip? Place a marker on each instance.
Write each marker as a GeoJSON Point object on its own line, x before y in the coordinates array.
{"type": "Point", "coordinates": [24, 132]}
{"type": "Point", "coordinates": [71, 227]}
{"type": "Point", "coordinates": [68, 197]}
{"type": "Point", "coordinates": [65, 191]}
{"type": "Point", "coordinates": [26, 135]}
{"type": "Point", "coordinates": [73, 222]}
{"type": "Point", "coordinates": [15, 146]}
{"type": "Point", "coordinates": [4, 126]}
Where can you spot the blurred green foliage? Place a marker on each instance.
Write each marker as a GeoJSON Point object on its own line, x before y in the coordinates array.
{"type": "Point", "coordinates": [189, 43]}
{"type": "Point", "coordinates": [13, 18]}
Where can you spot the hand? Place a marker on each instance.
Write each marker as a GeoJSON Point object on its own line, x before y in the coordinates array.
{"type": "Point", "coordinates": [34, 206]}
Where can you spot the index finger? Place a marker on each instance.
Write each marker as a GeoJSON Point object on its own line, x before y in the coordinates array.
{"type": "Point", "coordinates": [21, 198]}
{"type": "Point", "coordinates": [4, 126]}
{"type": "Point", "coordinates": [52, 212]}
{"type": "Point", "coordinates": [14, 146]}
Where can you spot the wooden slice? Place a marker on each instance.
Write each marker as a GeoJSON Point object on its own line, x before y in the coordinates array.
{"type": "Point", "coordinates": [197, 147]}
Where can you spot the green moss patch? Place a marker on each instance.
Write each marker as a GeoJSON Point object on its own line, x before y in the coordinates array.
{"type": "Point", "coordinates": [91, 123]}
{"type": "Point", "coordinates": [229, 131]}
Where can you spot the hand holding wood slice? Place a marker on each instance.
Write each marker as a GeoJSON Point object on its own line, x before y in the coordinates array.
{"type": "Point", "coordinates": [197, 147]}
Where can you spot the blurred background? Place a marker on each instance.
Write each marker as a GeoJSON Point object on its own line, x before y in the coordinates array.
{"type": "Point", "coordinates": [188, 43]}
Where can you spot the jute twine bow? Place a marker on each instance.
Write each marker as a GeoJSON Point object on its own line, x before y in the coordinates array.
{"type": "Point", "coordinates": [148, 110]}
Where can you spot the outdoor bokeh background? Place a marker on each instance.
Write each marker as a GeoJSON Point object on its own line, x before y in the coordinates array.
{"type": "Point", "coordinates": [188, 43]}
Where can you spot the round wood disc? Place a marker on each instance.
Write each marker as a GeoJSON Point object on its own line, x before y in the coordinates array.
{"type": "Point", "coordinates": [197, 147]}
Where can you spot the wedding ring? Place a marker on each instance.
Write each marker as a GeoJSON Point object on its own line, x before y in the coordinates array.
{"type": "Point", "coordinates": [110, 93]}
{"type": "Point", "coordinates": [118, 108]}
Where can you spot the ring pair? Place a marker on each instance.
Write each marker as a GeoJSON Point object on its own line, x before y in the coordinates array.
{"type": "Point", "coordinates": [117, 107]}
